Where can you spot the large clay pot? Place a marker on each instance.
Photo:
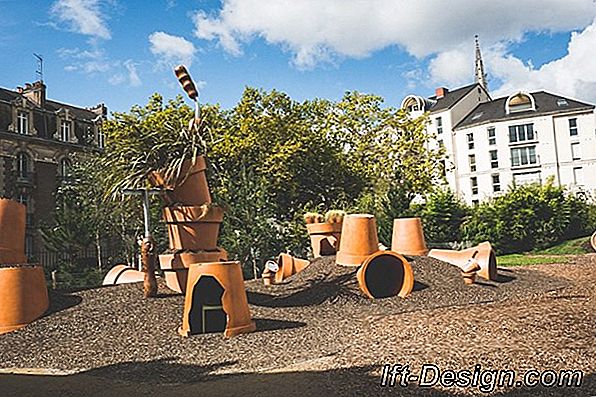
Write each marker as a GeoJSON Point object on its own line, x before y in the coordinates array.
{"type": "Point", "coordinates": [193, 228]}
{"type": "Point", "coordinates": [385, 274]}
{"type": "Point", "coordinates": [324, 238]}
{"type": "Point", "coordinates": [593, 241]}
{"type": "Point", "coordinates": [23, 296]}
{"type": "Point", "coordinates": [12, 231]}
{"type": "Point", "coordinates": [175, 266]}
{"type": "Point", "coordinates": [123, 274]}
{"type": "Point", "coordinates": [191, 188]}
{"type": "Point", "coordinates": [288, 266]}
{"type": "Point", "coordinates": [483, 254]}
{"type": "Point", "coordinates": [408, 237]}
{"type": "Point", "coordinates": [216, 300]}
{"type": "Point", "coordinates": [358, 239]}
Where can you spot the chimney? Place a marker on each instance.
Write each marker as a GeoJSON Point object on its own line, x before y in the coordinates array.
{"type": "Point", "coordinates": [441, 92]}
{"type": "Point", "coordinates": [35, 92]}
{"type": "Point", "coordinates": [99, 110]}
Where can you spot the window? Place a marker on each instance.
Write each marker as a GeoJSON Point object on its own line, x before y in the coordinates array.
{"type": "Point", "coordinates": [578, 176]}
{"type": "Point", "coordinates": [470, 140]}
{"type": "Point", "coordinates": [519, 102]}
{"type": "Point", "coordinates": [521, 133]}
{"type": "Point", "coordinates": [65, 131]}
{"type": "Point", "coordinates": [472, 162]}
{"type": "Point", "coordinates": [523, 156]}
{"type": "Point", "coordinates": [64, 167]}
{"type": "Point", "coordinates": [23, 123]}
{"type": "Point", "coordinates": [492, 136]}
{"type": "Point", "coordinates": [474, 184]}
{"type": "Point", "coordinates": [494, 161]}
{"type": "Point", "coordinates": [496, 183]}
{"type": "Point", "coordinates": [101, 138]}
{"type": "Point", "coordinates": [573, 127]}
{"type": "Point", "coordinates": [439, 122]}
{"type": "Point", "coordinates": [575, 151]}
{"type": "Point", "coordinates": [475, 203]}
{"type": "Point", "coordinates": [22, 166]}
{"type": "Point", "coordinates": [23, 198]}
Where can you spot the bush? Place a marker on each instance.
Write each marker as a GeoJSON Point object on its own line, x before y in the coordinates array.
{"type": "Point", "coordinates": [528, 217]}
{"type": "Point", "coordinates": [442, 216]}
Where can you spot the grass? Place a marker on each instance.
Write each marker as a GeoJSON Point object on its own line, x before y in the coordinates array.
{"type": "Point", "coordinates": [554, 254]}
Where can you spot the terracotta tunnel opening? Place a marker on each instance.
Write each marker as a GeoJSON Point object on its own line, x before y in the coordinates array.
{"type": "Point", "coordinates": [207, 313]}
{"type": "Point", "coordinates": [384, 276]}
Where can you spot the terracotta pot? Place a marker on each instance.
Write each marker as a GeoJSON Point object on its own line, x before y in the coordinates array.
{"type": "Point", "coordinates": [12, 244]}
{"type": "Point", "coordinates": [191, 188]}
{"type": "Point", "coordinates": [288, 266]}
{"type": "Point", "coordinates": [216, 300]}
{"type": "Point", "coordinates": [193, 228]}
{"type": "Point", "coordinates": [469, 278]}
{"type": "Point", "coordinates": [324, 238]}
{"type": "Point", "coordinates": [384, 274]}
{"type": "Point", "coordinates": [175, 266]}
{"type": "Point", "coordinates": [123, 274]}
{"type": "Point", "coordinates": [358, 239]}
{"type": "Point", "coordinates": [483, 254]}
{"type": "Point", "coordinates": [593, 241]}
{"type": "Point", "coordinates": [408, 237]}
{"type": "Point", "coordinates": [23, 296]}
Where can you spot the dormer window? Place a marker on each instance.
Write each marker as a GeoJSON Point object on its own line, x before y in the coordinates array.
{"type": "Point", "coordinates": [65, 131]}
{"type": "Point", "coordinates": [520, 102]}
{"type": "Point", "coordinates": [23, 123]}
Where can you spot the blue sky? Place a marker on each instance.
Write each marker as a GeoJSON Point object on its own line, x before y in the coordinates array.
{"type": "Point", "coordinates": [120, 52]}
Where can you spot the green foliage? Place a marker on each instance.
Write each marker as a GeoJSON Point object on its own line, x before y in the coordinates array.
{"type": "Point", "coordinates": [527, 217]}
{"type": "Point", "coordinates": [442, 215]}
{"type": "Point", "coordinates": [525, 260]}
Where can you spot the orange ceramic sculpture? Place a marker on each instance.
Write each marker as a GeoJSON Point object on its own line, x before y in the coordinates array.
{"type": "Point", "coordinates": [593, 241]}
{"type": "Point", "coordinates": [175, 266]}
{"type": "Point", "coordinates": [123, 274]}
{"type": "Point", "coordinates": [193, 227]}
{"type": "Point", "coordinates": [216, 300]}
{"type": "Point", "coordinates": [12, 236]}
{"type": "Point", "coordinates": [23, 296]}
{"type": "Point", "coordinates": [483, 254]}
{"type": "Point", "coordinates": [324, 238]}
{"type": "Point", "coordinates": [408, 237]}
{"type": "Point", "coordinates": [358, 239]}
{"type": "Point", "coordinates": [191, 188]}
{"type": "Point", "coordinates": [469, 271]}
{"type": "Point", "coordinates": [384, 274]}
{"type": "Point", "coordinates": [288, 266]}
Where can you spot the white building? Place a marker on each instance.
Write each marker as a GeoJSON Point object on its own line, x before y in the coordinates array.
{"type": "Point", "coordinates": [526, 137]}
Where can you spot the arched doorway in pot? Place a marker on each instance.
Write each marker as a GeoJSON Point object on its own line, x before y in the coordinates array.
{"type": "Point", "coordinates": [207, 314]}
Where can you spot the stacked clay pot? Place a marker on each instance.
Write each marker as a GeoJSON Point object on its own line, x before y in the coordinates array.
{"type": "Point", "coordinates": [193, 224]}
{"type": "Point", "coordinates": [23, 291]}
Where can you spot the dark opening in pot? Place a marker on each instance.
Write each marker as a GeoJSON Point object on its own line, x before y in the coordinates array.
{"type": "Point", "coordinates": [384, 276]}
{"type": "Point", "coordinates": [207, 314]}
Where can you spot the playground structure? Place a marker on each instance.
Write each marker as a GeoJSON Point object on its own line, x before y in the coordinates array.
{"type": "Point", "coordinates": [23, 291]}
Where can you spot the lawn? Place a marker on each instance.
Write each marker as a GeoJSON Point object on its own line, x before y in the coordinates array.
{"type": "Point", "coordinates": [555, 254]}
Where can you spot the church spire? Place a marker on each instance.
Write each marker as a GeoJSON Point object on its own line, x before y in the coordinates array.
{"type": "Point", "coordinates": [479, 66]}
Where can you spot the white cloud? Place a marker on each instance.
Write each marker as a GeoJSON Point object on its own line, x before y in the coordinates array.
{"type": "Point", "coordinates": [133, 76]}
{"type": "Point", "coordinates": [171, 50]}
{"type": "Point", "coordinates": [315, 31]}
{"type": "Point", "coordinates": [86, 61]}
{"type": "Point", "coordinates": [82, 16]}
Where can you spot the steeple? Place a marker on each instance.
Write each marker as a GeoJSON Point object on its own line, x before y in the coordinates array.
{"type": "Point", "coordinates": [479, 66]}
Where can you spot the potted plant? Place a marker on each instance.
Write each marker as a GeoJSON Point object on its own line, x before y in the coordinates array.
{"type": "Point", "coordinates": [324, 232]}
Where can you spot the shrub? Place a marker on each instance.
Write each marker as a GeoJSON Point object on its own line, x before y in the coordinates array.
{"type": "Point", "coordinates": [442, 216]}
{"type": "Point", "coordinates": [528, 217]}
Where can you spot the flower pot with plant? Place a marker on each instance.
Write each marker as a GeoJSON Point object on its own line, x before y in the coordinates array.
{"type": "Point", "coordinates": [324, 235]}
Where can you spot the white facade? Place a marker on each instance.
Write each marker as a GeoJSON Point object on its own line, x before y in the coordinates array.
{"type": "Point", "coordinates": [505, 146]}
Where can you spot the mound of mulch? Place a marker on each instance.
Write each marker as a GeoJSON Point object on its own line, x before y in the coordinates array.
{"type": "Point", "coordinates": [437, 284]}
{"type": "Point", "coordinates": [319, 312]}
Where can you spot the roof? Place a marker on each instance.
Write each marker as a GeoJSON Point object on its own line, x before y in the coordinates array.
{"type": "Point", "coordinates": [51, 106]}
{"type": "Point", "coordinates": [451, 98]}
{"type": "Point", "coordinates": [546, 103]}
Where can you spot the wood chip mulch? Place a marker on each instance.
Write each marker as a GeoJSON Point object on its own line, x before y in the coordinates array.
{"type": "Point", "coordinates": [319, 327]}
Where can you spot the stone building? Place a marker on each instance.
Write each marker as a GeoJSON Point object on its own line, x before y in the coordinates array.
{"type": "Point", "coordinates": [37, 138]}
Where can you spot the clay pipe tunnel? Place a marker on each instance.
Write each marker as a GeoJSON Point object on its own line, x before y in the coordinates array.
{"type": "Point", "coordinates": [384, 274]}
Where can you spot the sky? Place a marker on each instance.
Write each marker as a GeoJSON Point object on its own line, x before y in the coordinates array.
{"type": "Point", "coordinates": [119, 52]}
